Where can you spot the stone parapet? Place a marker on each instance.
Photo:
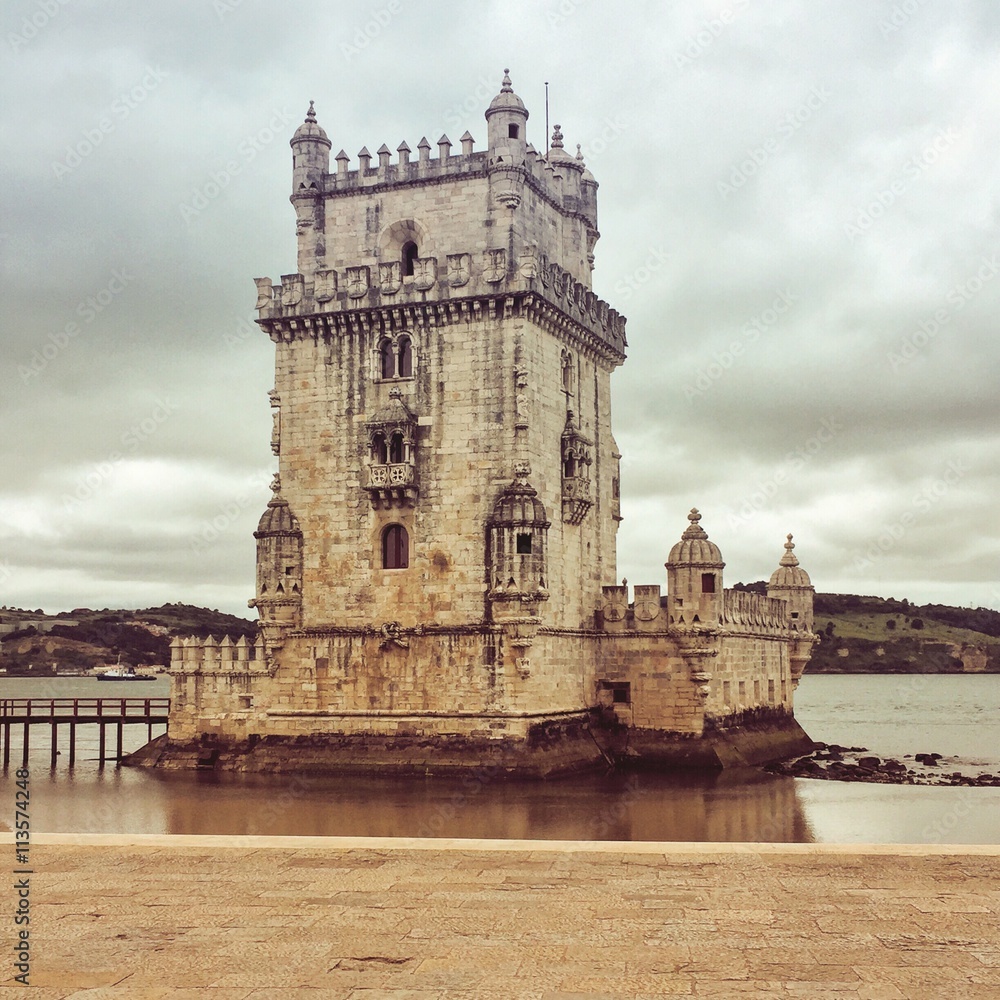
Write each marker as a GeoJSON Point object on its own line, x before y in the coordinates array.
{"type": "Point", "coordinates": [192, 654]}
{"type": "Point", "coordinates": [458, 287]}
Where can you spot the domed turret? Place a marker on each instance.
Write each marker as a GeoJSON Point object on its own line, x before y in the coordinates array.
{"type": "Point", "coordinates": [791, 583]}
{"type": "Point", "coordinates": [310, 154]}
{"type": "Point", "coordinates": [506, 119]}
{"type": "Point", "coordinates": [694, 576]}
{"type": "Point", "coordinates": [517, 533]}
{"type": "Point", "coordinates": [279, 567]}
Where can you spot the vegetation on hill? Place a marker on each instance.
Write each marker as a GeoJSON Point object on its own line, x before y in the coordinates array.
{"type": "Point", "coordinates": [883, 635]}
{"type": "Point", "coordinates": [83, 639]}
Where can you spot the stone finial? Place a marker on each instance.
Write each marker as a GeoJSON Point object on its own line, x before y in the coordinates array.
{"type": "Point", "coordinates": [342, 160]}
{"type": "Point", "coordinates": [404, 153]}
{"type": "Point", "coordinates": [789, 558]}
{"type": "Point", "coordinates": [694, 529]}
{"type": "Point", "coordinates": [311, 113]}
{"type": "Point", "coordinates": [579, 153]}
{"type": "Point", "coordinates": [557, 138]}
{"type": "Point", "coordinates": [276, 484]}
{"type": "Point", "coordinates": [423, 149]}
{"type": "Point", "coordinates": [522, 470]}
{"type": "Point", "coordinates": [505, 87]}
{"type": "Point", "coordinates": [444, 148]}
{"type": "Point", "coordinates": [364, 159]}
{"type": "Point", "coordinates": [467, 143]}
{"type": "Point", "coordinates": [383, 155]}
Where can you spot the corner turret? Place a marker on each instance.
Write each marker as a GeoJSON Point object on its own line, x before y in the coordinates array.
{"type": "Point", "coordinates": [506, 120]}
{"type": "Point", "coordinates": [694, 577]}
{"type": "Point", "coordinates": [791, 583]}
{"type": "Point", "coordinates": [310, 154]}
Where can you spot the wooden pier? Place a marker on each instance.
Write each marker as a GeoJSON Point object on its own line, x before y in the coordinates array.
{"type": "Point", "coordinates": [69, 713]}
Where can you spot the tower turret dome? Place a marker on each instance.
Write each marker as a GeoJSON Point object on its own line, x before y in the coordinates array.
{"type": "Point", "coordinates": [789, 573]}
{"type": "Point", "coordinates": [694, 548]}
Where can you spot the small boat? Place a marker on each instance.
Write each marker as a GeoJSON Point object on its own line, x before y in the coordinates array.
{"type": "Point", "coordinates": [124, 674]}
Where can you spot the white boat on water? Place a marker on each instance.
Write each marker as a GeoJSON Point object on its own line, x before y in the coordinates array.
{"type": "Point", "coordinates": [123, 674]}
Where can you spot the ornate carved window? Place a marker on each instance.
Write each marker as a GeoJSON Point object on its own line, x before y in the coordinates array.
{"type": "Point", "coordinates": [393, 358]}
{"type": "Point", "coordinates": [395, 547]}
{"type": "Point", "coordinates": [577, 490]}
{"type": "Point", "coordinates": [392, 469]}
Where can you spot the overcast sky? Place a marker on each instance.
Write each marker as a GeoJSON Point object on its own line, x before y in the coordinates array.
{"type": "Point", "coordinates": [798, 208]}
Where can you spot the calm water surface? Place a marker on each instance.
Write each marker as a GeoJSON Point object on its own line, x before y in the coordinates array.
{"type": "Point", "coordinates": [958, 717]}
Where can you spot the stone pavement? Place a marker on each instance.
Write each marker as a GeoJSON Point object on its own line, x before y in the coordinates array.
{"type": "Point", "coordinates": [307, 918]}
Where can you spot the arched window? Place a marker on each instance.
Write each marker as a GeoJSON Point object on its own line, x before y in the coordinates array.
{"type": "Point", "coordinates": [380, 454]}
{"type": "Point", "coordinates": [386, 359]}
{"type": "Point", "coordinates": [396, 449]}
{"type": "Point", "coordinates": [409, 256]}
{"type": "Point", "coordinates": [395, 547]}
{"type": "Point", "coordinates": [404, 353]}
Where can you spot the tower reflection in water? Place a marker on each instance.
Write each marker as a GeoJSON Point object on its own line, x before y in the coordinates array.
{"type": "Point", "coordinates": [746, 806]}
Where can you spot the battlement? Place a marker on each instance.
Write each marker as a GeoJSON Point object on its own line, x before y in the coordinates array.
{"type": "Point", "coordinates": [650, 612]}
{"type": "Point", "coordinates": [302, 302]}
{"type": "Point", "coordinates": [192, 655]}
{"type": "Point", "coordinates": [562, 180]}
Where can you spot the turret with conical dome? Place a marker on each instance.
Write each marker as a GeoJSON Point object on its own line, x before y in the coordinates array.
{"type": "Point", "coordinates": [310, 154]}
{"type": "Point", "coordinates": [694, 577]}
{"type": "Point", "coordinates": [791, 583]}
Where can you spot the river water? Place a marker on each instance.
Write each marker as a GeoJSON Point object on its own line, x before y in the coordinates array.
{"type": "Point", "coordinates": [958, 717]}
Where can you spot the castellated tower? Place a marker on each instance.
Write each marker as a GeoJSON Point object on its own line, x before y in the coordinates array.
{"type": "Point", "coordinates": [433, 570]}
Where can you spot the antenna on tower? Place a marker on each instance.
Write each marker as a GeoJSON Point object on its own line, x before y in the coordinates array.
{"type": "Point", "coordinates": [546, 119]}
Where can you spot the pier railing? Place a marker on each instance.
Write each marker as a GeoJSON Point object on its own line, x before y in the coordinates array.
{"type": "Point", "coordinates": [72, 712]}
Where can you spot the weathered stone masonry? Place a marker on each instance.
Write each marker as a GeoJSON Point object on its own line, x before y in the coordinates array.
{"type": "Point", "coordinates": [433, 568]}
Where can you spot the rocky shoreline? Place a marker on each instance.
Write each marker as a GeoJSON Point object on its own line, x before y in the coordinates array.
{"type": "Point", "coordinates": [831, 762]}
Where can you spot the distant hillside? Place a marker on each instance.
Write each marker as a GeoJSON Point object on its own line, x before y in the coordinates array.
{"type": "Point", "coordinates": [79, 640]}
{"type": "Point", "coordinates": [883, 635]}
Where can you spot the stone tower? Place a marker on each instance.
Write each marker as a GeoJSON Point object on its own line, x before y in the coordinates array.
{"type": "Point", "coordinates": [440, 356]}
